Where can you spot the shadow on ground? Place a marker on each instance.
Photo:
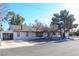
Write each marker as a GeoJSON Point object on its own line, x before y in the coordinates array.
{"type": "Point", "coordinates": [55, 39]}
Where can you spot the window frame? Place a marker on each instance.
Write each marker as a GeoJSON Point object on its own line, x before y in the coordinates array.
{"type": "Point", "coordinates": [18, 34]}
{"type": "Point", "coordinates": [26, 34]}
{"type": "Point", "coordinates": [39, 34]}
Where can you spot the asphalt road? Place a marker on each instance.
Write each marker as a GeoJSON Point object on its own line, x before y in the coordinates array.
{"type": "Point", "coordinates": [65, 48]}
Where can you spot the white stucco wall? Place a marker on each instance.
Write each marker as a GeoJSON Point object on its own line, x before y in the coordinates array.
{"type": "Point", "coordinates": [0, 35]}
{"type": "Point", "coordinates": [44, 34]}
{"type": "Point", "coordinates": [51, 35]}
{"type": "Point", "coordinates": [31, 35]}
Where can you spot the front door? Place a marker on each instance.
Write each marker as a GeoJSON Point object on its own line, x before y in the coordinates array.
{"type": "Point", "coordinates": [7, 36]}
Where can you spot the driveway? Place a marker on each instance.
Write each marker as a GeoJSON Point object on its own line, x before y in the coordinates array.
{"type": "Point", "coordinates": [66, 48]}
{"type": "Point", "coordinates": [19, 43]}
{"type": "Point", "coordinates": [74, 37]}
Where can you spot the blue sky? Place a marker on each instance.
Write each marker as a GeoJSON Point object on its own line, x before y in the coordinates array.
{"type": "Point", "coordinates": [32, 11]}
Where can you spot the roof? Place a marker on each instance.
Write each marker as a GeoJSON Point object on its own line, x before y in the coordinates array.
{"type": "Point", "coordinates": [24, 28]}
{"type": "Point", "coordinates": [15, 27]}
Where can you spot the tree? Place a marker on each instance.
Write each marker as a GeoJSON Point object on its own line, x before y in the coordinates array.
{"type": "Point", "coordinates": [19, 20]}
{"type": "Point", "coordinates": [39, 28]}
{"type": "Point", "coordinates": [56, 24]}
{"type": "Point", "coordinates": [25, 24]}
{"type": "Point", "coordinates": [74, 26]}
{"type": "Point", "coordinates": [65, 17]}
{"type": "Point", "coordinates": [38, 25]}
{"type": "Point", "coordinates": [14, 19]}
{"type": "Point", "coordinates": [3, 11]}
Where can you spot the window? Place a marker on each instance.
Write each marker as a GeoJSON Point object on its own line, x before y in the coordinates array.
{"type": "Point", "coordinates": [18, 34]}
{"type": "Point", "coordinates": [39, 34]}
{"type": "Point", "coordinates": [26, 33]}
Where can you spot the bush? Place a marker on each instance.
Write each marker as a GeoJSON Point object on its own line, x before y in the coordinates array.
{"type": "Point", "coordinates": [70, 34]}
{"type": "Point", "coordinates": [77, 33]}
{"type": "Point", "coordinates": [74, 33]}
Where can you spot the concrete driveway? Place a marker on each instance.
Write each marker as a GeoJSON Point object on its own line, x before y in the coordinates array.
{"type": "Point", "coordinates": [13, 44]}
{"type": "Point", "coordinates": [19, 43]}
{"type": "Point", "coordinates": [66, 48]}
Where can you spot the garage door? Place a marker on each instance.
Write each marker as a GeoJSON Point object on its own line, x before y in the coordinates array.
{"type": "Point", "coordinates": [7, 36]}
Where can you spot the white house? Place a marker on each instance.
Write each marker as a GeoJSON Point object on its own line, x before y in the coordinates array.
{"type": "Point", "coordinates": [23, 32]}
{"type": "Point", "coordinates": [17, 32]}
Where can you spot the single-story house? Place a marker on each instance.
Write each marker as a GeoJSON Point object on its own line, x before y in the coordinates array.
{"type": "Point", "coordinates": [23, 32]}
{"type": "Point", "coordinates": [17, 32]}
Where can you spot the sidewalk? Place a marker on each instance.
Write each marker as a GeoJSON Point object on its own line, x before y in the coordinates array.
{"type": "Point", "coordinates": [14, 44]}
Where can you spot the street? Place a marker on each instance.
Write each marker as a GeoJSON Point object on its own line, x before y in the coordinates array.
{"type": "Point", "coordinates": [52, 48]}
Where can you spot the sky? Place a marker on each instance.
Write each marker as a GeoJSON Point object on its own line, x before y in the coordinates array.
{"type": "Point", "coordinates": [42, 12]}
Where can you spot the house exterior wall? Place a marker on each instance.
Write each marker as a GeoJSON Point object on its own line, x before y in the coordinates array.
{"type": "Point", "coordinates": [1, 33]}
{"type": "Point", "coordinates": [51, 35]}
{"type": "Point", "coordinates": [31, 35]}
{"type": "Point", "coordinates": [23, 36]}
{"type": "Point", "coordinates": [44, 35]}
